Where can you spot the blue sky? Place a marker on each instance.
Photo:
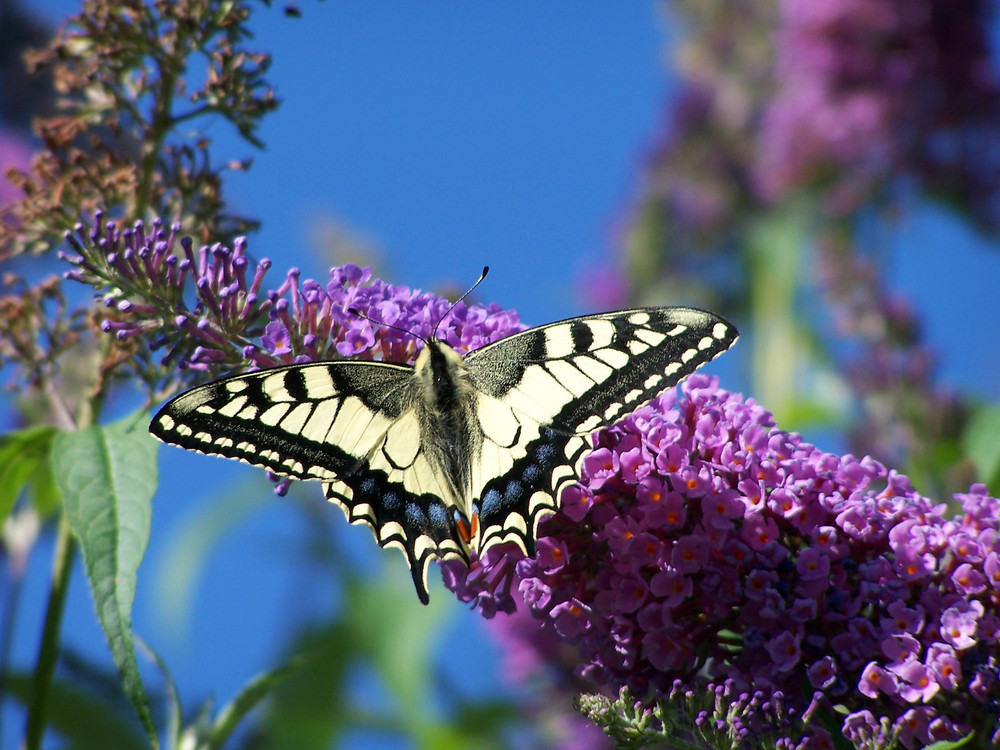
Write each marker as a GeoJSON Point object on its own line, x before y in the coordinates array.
{"type": "Point", "coordinates": [451, 135]}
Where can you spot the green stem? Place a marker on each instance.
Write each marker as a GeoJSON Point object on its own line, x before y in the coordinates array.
{"type": "Point", "coordinates": [11, 599]}
{"type": "Point", "coordinates": [48, 651]}
{"type": "Point", "coordinates": [776, 243]}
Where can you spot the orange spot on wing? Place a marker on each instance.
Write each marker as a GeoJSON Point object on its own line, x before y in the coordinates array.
{"type": "Point", "coordinates": [467, 530]}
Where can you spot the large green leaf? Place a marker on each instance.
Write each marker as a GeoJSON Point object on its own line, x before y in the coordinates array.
{"type": "Point", "coordinates": [107, 476]}
{"type": "Point", "coordinates": [23, 455]}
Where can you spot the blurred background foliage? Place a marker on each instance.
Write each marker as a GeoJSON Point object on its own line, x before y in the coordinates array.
{"type": "Point", "coordinates": [798, 139]}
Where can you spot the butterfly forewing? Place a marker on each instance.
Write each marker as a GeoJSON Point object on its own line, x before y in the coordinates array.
{"type": "Point", "coordinates": [315, 421]}
{"type": "Point", "coordinates": [582, 373]}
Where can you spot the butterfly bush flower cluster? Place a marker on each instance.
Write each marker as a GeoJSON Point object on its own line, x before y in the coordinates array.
{"type": "Point", "coordinates": [393, 323]}
{"type": "Point", "coordinates": [209, 309]}
{"type": "Point", "coordinates": [703, 540]}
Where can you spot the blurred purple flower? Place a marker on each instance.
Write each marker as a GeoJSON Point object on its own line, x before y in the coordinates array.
{"type": "Point", "coordinates": [867, 90]}
{"type": "Point", "coordinates": [890, 369]}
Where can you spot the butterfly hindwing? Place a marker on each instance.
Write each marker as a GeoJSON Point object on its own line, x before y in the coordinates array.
{"type": "Point", "coordinates": [421, 526]}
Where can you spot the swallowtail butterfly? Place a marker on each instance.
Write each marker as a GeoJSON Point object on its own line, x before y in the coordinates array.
{"type": "Point", "coordinates": [456, 453]}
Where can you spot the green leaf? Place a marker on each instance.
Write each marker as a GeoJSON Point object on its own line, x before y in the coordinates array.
{"type": "Point", "coordinates": [175, 712]}
{"type": "Point", "coordinates": [44, 491]}
{"type": "Point", "coordinates": [107, 476]}
{"type": "Point", "coordinates": [982, 444]}
{"type": "Point", "coordinates": [252, 693]}
{"type": "Point", "coordinates": [23, 456]}
{"type": "Point", "coordinates": [84, 718]}
{"type": "Point", "coordinates": [952, 745]}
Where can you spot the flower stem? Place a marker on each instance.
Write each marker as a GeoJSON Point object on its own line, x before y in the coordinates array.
{"type": "Point", "coordinates": [48, 651]}
{"type": "Point", "coordinates": [776, 243]}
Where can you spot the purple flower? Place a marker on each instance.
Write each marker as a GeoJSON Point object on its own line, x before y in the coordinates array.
{"type": "Point", "coordinates": [785, 651]}
{"type": "Point", "coordinates": [959, 623]}
{"type": "Point", "coordinates": [914, 725]}
{"type": "Point", "coordinates": [947, 668]}
{"type": "Point", "coordinates": [277, 339]}
{"type": "Point", "coordinates": [789, 566]}
{"type": "Point", "coordinates": [876, 681]}
{"type": "Point", "coordinates": [916, 681]}
{"type": "Point", "coordinates": [969, 580]}
{"type": "Point", "coordinates": [902, 619]}
{"type": "Point", "coordinates": [823, 673]}
{"type": "Point", "coordinates": [355, 341]}
{"type": "Point", "coordinates": [570, 618]}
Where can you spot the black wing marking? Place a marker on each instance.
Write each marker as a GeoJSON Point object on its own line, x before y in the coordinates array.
{"type": "Point", "coordinates": [422, 527]}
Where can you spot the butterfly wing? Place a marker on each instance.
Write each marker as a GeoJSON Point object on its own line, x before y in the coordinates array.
{"type": "Point", "coordinates": [546, 389]}
{"type": "Point", "coordinates": [349, 424]}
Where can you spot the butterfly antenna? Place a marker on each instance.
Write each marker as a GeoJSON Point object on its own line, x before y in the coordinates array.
{"type": "Point", "coordinates": [376, 321]}
{"type": "Point", "coordinates": [486, 270]}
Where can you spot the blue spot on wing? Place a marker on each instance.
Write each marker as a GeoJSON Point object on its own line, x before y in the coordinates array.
{"type": "Point", "coordinates": [546, 451]}
{"type": "Point", "coordinates": [418, 515]}
{"type": "Point", "coordinates": [490, 503]}
{"type": "Point", "coordinates": [438, 515]}
{"type": "Point", "coordinates": [415, 516]}
{"type": "Point", "coordinates": [391, 501]}
{"type": "Point", "coordinates": [531, 473]}
{"type": "Point", "coordinates": [513, 493]}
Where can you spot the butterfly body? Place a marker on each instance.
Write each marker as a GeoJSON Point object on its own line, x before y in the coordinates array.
{"type": "Point", "coordinates": [446, 401]}
{"type": "Point", "coordinates": [455, 454]}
